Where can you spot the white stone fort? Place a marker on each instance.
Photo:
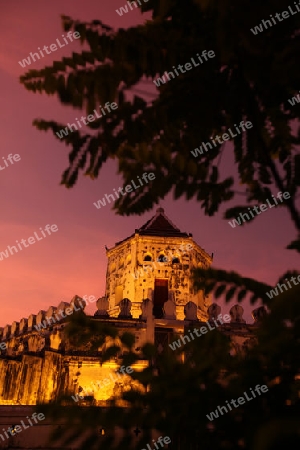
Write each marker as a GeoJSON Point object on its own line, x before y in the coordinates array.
{"type": "Point", "coordinates": [156, 262]}
{"type": "Point", "coordinates": [148, 292]}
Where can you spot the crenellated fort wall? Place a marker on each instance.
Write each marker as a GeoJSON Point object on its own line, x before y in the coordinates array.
{"type": "Point", "coordinates": [40, 366]}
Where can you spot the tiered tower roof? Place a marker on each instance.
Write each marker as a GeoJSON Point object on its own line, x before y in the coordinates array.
{"type": "Point", "coordinates": [159, 225]}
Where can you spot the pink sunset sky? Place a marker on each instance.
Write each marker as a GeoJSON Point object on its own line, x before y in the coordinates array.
{"type": "Point", "coordinates": [73, 260]}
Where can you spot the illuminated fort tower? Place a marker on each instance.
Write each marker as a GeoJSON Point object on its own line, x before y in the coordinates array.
{"type": "Point", "coordinates": [38, 363]}
{"type": "Point", "coordinates": [155, 262]}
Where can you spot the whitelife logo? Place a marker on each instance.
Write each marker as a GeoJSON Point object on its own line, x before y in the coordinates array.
{"type": "Point", "coordinates": [199, 332]}
{"type": "Point", "coordinates": [11, 158]}
{"type": "Point", "coordinates": [263, 208]}
{"type": "Point", "coordinates": [292, 101]}
{"type": "Point", "coordinates": [187, 66]}
{"type": "Point", "coordinates": [3, 346]}
{"type": "Point", "coordinates": [124, 9]}
{"type": "Point", "coordinates": [31, 240]}
{"type": "Point", "coordinates": [215, 414]}
{"type": "Point", "coordinates": [70, 310]}
{"type": "Point", "coordinates": [53, 48]}
{"type": "Point", "coordinates": [274, 292]}
{"type": "Point", "coordinates": [17, 428]}
{"type": "Point", "coordinates": [266, 23]}
{"type": "Point", "coordinates": [169, 257]}
{"type": "Point", "coordinates": [225, 136]}
{"type": "Point", "coordinates": [96, 386]}
{"type": "Point", "coordinates": [161, 440]}
{"type": "Point", "coordinates": [90, 118]}
{"type": "Point", "coordinates": [127, 189]}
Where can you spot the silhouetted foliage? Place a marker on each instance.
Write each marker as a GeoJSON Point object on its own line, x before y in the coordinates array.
{"type": "Point", "coordinates": [251, 78]}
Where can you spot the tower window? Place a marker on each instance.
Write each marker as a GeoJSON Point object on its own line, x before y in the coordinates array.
{"type": "Point", "coordinates": [162, 258]}
{"type": "Point", "coordinates": [175, 261]}
{"type": "Point", "coordinates": [148, 258]}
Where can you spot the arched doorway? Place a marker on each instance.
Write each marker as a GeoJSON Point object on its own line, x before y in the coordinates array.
{"type": "Point", "coordinates": [160, 296]}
